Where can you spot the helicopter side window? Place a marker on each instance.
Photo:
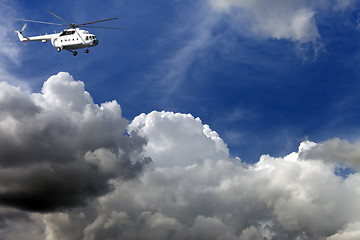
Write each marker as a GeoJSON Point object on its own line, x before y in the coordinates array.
{"type": "Point", "coordinates": [87, 38]}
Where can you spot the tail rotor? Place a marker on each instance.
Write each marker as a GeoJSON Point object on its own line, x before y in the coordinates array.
{"type": "Point", "coordinates": [22, 29]}
{"type": "Point", "coordinates": [19, 33]}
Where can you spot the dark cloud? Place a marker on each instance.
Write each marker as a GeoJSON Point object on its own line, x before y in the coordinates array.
{"type": "Point", "coordinates": [95, 174]}
{"type": "Point", "coordinates": [58, 148]}
{"type": "Point", "coordinates": [50, 188]}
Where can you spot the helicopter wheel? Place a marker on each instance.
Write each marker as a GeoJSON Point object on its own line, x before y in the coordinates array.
{"type": "Point", "coordinates": [86, 51]}
{"type": "Point", "coordinates": [58, 49]}
{"type": "Point", "coordinates": [74, 53]}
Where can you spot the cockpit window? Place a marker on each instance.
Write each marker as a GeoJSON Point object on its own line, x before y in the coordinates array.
{"type": "Point", "coordinates": [65, 33]}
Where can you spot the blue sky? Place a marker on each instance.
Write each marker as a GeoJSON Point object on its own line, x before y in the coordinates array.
{"type": "Point", "coordinates": [139, 138]}
{"type": "Point", "coordinates": [263, 94]}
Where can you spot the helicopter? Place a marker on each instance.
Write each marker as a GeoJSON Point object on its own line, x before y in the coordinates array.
{"type": "Point", "coordinates": [69, 39]}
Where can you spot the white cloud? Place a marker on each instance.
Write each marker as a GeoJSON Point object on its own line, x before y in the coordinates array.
{"type": "Point", "coordinates": [9, 48]}
{"type": "Point", "coordinates": [342, 5]}
{"type": "Point", "coordinates": [351, 232]}
{"type": "Point", "coordinates": [169, 133]}
{"type": "Point", "coordinates": [10, 53]}
{"type": "Point", "coordinates": [292, 20]}
{"type": "Point", "coordinates": [336, 151]}
{"type": "Point", "coordinates": [195, 40]}
{"type": "Point", "coordinates": [193, 189]}
{"type": "Point", "coordinates": [206, 195]}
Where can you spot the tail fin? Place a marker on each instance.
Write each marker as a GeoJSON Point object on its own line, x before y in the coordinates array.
{"type": "Point", "coordinates": [19, 33]}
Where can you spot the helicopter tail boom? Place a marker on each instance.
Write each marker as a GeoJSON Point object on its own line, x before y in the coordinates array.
{"type": "Point", "coordinates": [42, 38]}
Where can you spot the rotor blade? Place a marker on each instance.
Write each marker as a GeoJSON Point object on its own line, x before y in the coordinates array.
{"type": "Point", "coordinates": [58, 17]}
{"type": "Point", "coordinates": [83, 24]}
{"type": "Point", "coordinates": [106, 27]}
{"type": "Point", "coordinates": [23, 28]}
{"type": "Point", "coordinates": [41, 22]}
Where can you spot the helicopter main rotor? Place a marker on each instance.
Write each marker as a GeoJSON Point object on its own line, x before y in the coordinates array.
{"type": "Point", "coordinates": [72, 25]}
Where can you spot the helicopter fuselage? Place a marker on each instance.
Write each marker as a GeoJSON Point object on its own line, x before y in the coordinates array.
{"type": "Point", "coordinates": [74, 39]}
{"type": "Point", "coordinates": [68, 39]}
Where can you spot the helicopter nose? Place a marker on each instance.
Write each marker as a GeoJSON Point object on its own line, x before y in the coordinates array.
{"type": "Point", "coordinates": [96, 42]}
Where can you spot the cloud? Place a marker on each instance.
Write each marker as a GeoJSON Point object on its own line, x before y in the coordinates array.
{"type": "Point", "coordinates": [196, 38]}
{"type": "Point", "coordinates": [58, 148]}
{"type": "Point", "coordinates": [8, 49]}
{"type": "Point", "coordinates": [164, 133]}
{"type": "Point", "coordinates": [291, 20]}
{"type": "Point", "coordinates": [351, 232]}
{"type": "Point", "coordinates": [192, 189]}
{"type": "Point", "coordinates": [10, 53]}
{"type": "Point", "coordinates": [336, 151]}
{"type": "Point", "coordinates": [342, 5]}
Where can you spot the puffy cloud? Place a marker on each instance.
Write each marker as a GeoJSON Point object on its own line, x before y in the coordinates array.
{"type": "Point", "coordinates": [169, 134]}
{"type": "Point", "coordinates": [15, 224]}
{"type": "Point", "coordinates": [351, 232]}
{"type": "Point", "coordinates": [193, 189]}
{"type": "Point", "coordinates": [292, 20]}
{"type": "Point", "coordinates": [336, 151]}
{"type": "Point", "coordinates": [205, 194]}
{"type": "Point", "coordinates": [58, 148]}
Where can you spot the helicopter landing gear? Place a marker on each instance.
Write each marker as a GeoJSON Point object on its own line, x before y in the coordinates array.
{"type": "Point", "coordinates": [86, 51]}
{"type": "Point", "coordinates": [73, 52]}
{"type": "Point", "coordinates": [58, 49]}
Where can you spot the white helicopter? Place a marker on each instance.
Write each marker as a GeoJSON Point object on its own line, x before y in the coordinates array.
{"type": "Point", "coordinates": [69, 39]}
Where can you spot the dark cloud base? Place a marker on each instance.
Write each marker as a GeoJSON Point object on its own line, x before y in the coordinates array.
{"type": "Point", "coordinates": [46, 190]}
{"type": "Point", "coordinates": [59, 150]}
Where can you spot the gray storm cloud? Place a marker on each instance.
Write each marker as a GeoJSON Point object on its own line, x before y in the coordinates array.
{"type": "Point", "coordinates": [58, 148]}
{"type": "Point", "coordinates": [192, 189]}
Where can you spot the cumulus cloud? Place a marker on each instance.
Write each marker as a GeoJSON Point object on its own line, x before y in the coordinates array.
{"type": "Point", "coordinates": [58, 148]}
{"type": "Point", "coordinates": [337, 151]}
{"type": "Point", "coordinates": [351, 232]}
{"type": "Point", "coordinates": [193, 189]}
{"type": "Point", "coordinates": [196, 191]}
{"type": "Point", "coordinates": [164, 134]}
